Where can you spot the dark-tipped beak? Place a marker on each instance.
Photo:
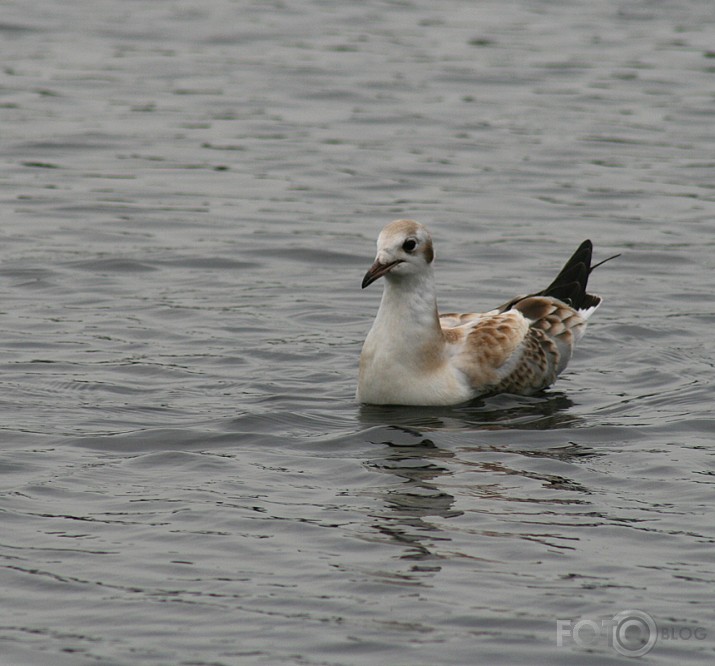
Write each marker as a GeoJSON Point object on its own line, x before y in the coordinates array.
{"type": "Point", "coordinates": [377, 270]}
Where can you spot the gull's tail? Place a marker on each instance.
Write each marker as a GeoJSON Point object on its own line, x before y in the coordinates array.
{"type": "Point", "coordinates": [570, 284]}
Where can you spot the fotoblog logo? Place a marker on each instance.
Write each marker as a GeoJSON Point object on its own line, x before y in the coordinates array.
{"type": "Point", "coordinates": [631, 633]}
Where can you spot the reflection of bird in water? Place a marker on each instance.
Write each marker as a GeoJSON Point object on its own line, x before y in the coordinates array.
{"type": "Point", "coordinates": [415, 461]}
{"type": "Point", "coordinates": [427, 475]}
{"type": "Point", "coordinates": [498, 412]}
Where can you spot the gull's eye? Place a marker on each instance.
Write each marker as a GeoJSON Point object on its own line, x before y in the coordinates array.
{"type": "Point", "coordinates": [409, 245]}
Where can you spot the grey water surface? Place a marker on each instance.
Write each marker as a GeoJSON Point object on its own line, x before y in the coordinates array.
{"type": "Point", "coordinates": [191, 193]}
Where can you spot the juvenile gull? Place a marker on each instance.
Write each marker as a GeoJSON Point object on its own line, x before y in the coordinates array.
{"type": "Point", "coordinates": [414, 356]}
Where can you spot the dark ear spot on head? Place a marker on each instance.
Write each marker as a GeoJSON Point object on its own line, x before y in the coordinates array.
{"type": "Point", "coordinates": [429, 252]}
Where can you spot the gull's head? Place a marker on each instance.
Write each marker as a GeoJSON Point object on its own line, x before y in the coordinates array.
{"type": "Point", "coordinates": [404, 248]}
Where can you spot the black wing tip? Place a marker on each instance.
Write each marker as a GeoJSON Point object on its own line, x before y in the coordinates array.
{"type": "Point", "coordinates": [570, 284]}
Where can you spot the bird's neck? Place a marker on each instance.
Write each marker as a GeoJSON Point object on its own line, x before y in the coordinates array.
{"type": "Point", "coordinates": [408, 311]}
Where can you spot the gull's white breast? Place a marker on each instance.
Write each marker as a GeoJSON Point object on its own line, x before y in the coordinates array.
{"type": "Point", "coordinates": [394, 373]}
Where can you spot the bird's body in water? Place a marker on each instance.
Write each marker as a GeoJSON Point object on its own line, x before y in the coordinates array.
{"type": "Point", "coordinates": [414, 356]}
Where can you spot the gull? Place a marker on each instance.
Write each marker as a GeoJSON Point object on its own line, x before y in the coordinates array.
{"type": "Point", "coordinates": [414, 356]}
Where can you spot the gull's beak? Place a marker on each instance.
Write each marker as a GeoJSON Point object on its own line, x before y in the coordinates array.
{"type": "Point", "coordinates": [377, 270]}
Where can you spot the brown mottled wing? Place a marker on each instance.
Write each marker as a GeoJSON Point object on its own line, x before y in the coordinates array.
{"type": "Point", "coordinates": [485, 346]}
{"type": "Point", "coordinates": [520, 350]}
{"type": "Point", "coordinates": [560, 324]}
{"type": "Point", "coordinates": [535, 368]}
